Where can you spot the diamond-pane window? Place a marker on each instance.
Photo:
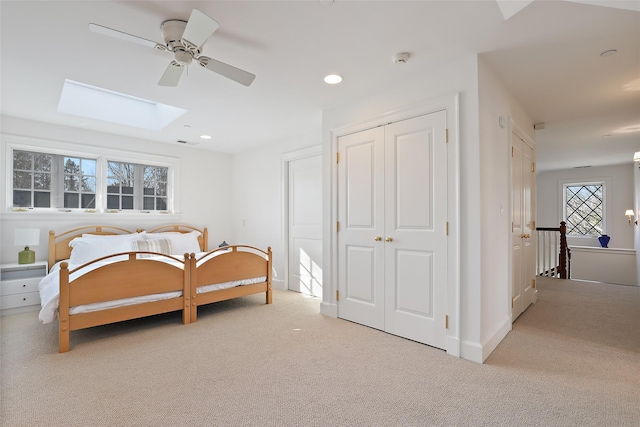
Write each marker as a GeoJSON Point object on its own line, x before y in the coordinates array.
{"type": "Point", "coordinates": [584, 209]}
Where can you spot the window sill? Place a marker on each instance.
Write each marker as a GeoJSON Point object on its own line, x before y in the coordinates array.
{"type": "Point", "coordinates": [62, 215]}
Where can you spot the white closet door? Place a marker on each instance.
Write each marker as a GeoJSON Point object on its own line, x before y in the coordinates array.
{"type": "Point", "coordinates": [392, 243]}
{"type": "Point", "coordinates": [360, 239]}
{"type": "Point", "coordinates": [523, 254]}
{"type": "Point", "coordinates": [305, 225]}
{"type": "Point", "coordinates": [415, 223]}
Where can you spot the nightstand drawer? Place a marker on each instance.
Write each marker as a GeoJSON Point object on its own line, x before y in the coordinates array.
{"type": "Point", "coordinates": [20, 300]}
{"type": "Point", "coordinates": [11, 287]}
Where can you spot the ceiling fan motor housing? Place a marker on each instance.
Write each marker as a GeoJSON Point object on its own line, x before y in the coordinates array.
{"type": "Point", "coordinates": [172, 31]}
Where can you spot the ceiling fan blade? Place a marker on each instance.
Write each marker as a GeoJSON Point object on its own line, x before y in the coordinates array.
{"type": "Point", "coordinates": [199, 28]}
{"type": "Point", "coordinates": [106, 31]}
{"type": "Point", "coordinates": [171, 75]}
{"type": "Point", "coordinates": [230, 72]}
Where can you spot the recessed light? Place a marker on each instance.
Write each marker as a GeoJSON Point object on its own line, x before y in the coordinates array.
{"type": "Point", "coordinates": [205, 136]}
{"type": "Point", "coordinates": [333, 79]}
{"type": "Point", "coordinates": [609, 52]}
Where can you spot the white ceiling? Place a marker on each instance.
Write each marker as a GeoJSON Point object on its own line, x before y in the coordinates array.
{"type": "Point", "coordinates": [547, 54]}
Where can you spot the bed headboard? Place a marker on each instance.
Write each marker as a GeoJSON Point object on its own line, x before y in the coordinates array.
{"type": "Point", "coordinates": [59, 248]}
{"type": "Point", "coordinates": [203, 239]}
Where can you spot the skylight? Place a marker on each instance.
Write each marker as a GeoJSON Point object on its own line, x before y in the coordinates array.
{"type": "Point", "coordinates": [93, 102]}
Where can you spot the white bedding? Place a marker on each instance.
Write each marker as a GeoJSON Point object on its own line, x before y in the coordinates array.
{"type": "Point", "coordinates": [49, 288]}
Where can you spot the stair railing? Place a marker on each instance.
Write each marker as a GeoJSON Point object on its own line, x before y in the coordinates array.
{"type": "Point", "coordinates": [554, 255]}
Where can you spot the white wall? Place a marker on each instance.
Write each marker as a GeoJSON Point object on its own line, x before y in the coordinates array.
{"type": "Point", "coordinates": [461, 77]}
{"type": "Point", "coordinates": [619, 197]}
{"type": "Point", "coordinates": [204, 188]}
{"type": "Point", "coordinates": [606, 265]}
{"type": "Point", "coordinates": [258, 217]}
{"type": "Point", "coordinates": [494, 214]}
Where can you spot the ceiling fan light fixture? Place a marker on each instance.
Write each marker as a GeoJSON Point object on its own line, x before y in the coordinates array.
{"type": "Point", "coordinates": [333, 79]}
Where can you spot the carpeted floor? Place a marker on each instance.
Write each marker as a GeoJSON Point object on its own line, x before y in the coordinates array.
{"type": "Point", "coordinates": [572, 359]}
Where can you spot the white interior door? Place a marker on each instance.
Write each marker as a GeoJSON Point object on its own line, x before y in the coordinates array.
{"type": "Point", "coordinates": [522, 243]}
{"type": "Point", "coordinates": [305, 225]}
{"type": "Point", "coordinates": [392, 243]}
{"type": "Point", "coordinates": [415, 225]}
{"type": "Point", "coordinates": [360, 238]}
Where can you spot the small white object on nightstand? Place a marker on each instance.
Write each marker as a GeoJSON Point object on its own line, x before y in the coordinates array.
{"type": "Point", "coordinates": [19, 287]}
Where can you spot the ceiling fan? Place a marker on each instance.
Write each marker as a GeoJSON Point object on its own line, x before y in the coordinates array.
{"type": "Point", "coordinates": [184, 39]}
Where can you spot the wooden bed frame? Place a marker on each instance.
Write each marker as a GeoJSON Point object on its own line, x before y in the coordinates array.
{"type": "Point", "coordinates": [231, 263]}
{"type": "Point", "coordinates": [145, 276]}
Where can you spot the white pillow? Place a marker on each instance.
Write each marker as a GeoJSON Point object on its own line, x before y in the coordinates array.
{"type": "Point", "coordinates": [85, 249]}
{"type": "Point", "coordinates": [162, 246]}
{"type": "Point", "coordinates": [181, 243]}
{"type": "Point", "coordinates": [109, 236]}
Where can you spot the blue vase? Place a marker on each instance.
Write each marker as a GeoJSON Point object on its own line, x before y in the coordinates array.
{"type": "Point", "coordinates": [604, 240]}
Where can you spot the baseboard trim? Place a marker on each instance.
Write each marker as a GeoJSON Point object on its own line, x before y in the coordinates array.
{"type": "Point", "coordinates": [477, 352]}
{"type": "Point", "coordinates": [328, 309]}
{"type": "Point", "coordinates": [278, 284]}
{"type": "Point", "coordinates": [471, 351]}
{"type": "Point", "coordinates": [496, 339]}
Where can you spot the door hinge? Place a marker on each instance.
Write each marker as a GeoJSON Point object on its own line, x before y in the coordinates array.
{"type": "Point", "coordinates": [533, 225]}
{"type": "Point", "coordinates": [446, 135]}
{"type": "Point", "coordinates": [446, 228]}
{"type": "Point", "coordinates": [512, 226]}
{"type": "Point", "coordinates": [337, 157]}
{"type": "Point", "coordinates": [512, 303]}
{"type": "Point", "coordinates": [533, 283]}
{"type": "Point", "coordinates": [512, 151]}
{"type": "Point", "coordinates": [446, 321]}
{"type": "Point", "coordinates": [337, 226]}
{"type": "Point", "coordinates": [337, 295]}
{"type": "Point", "coordinates": [533, 167]}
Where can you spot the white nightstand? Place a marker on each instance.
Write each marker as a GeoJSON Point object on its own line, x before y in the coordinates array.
{"type": "Point", "coordinates": [19, 287]}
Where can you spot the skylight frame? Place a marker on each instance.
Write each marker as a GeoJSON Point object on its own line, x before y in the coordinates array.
{"type": "Point", "coordinates": [84, 100]}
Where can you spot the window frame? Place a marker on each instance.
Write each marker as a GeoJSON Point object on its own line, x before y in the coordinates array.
{"type": "Point", "coordinates": [580, 183]}
{"type": "Point", "coordinates": [102, 155]}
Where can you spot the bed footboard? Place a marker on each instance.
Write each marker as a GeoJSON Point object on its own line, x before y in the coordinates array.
{"type": "Point", "coordinates": [97, 283]}
{"type": "Point", "coordinates": [226, 267]}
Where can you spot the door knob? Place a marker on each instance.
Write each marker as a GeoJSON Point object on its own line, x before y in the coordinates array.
{"type": "Point", "coordinates": [388, 239]}
{"type": "Point", "coordinates": [377, 238]}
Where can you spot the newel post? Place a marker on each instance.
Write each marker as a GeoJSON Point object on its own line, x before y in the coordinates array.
{"type": "Point", "coordinates": [562, 261]}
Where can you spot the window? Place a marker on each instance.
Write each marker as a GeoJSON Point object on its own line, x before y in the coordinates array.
{"type": "Point", "coordinates": [134, 186]}
{"type": "Point", "coordinates": [79, 183]}
{"type": "Point", "coordinates": [155, 188]}
{"type": "Point", "coordinates": [32, 179]}
{"type": "Point", "coordinates": [73, 182]}
{"type": "Point", "coordinates": [584, 209]}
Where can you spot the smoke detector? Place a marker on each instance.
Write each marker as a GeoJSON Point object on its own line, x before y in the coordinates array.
{"type": "Point", "coordinates": [400, 58]}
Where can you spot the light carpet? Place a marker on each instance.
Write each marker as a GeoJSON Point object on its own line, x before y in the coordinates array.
{"type": "Point", "coordinates": [572, 359]}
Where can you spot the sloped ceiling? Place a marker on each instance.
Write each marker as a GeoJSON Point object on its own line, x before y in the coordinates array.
{"type": "Point", "coordinates": [547, 54]}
